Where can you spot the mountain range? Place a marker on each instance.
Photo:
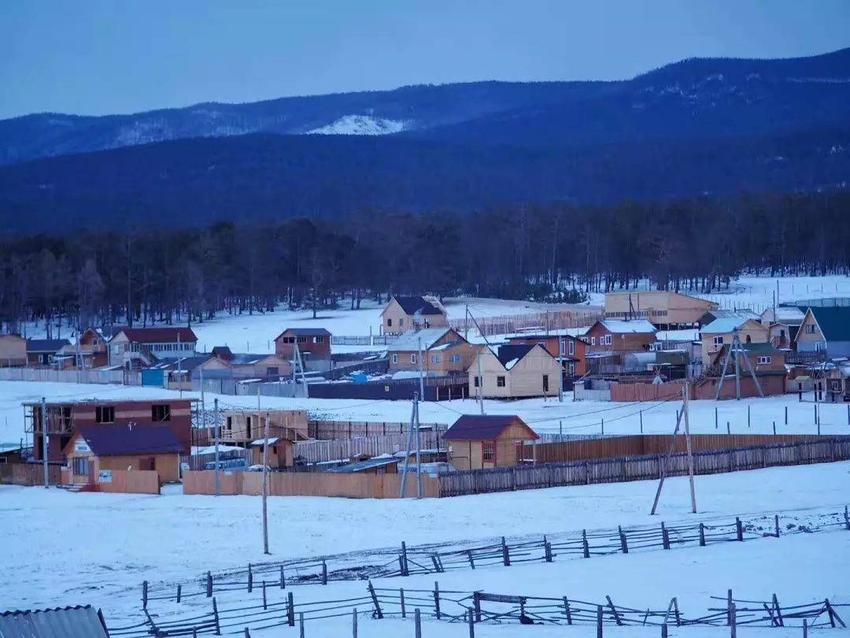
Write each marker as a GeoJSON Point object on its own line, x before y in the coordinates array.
{"type": "Point", "coordinates": [693, 128]}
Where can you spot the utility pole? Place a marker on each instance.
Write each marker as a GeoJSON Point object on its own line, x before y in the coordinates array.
{"type": "Point", "coordinates": [266, 486]}
{"type": "Point", "coordinates": [685, 393]}
{"type": "Point", "coordinates": [418, 450]}
{"type": "Point", "coordinates": [45, 442]}
{"type": "Point", "coordinates": [421, 371]}
{"type": "Point", "coordinates": [663, 462]}
{"type": "Point", "coordinates": [179, 367]}
{"type": "Point", "coordinates": [406, 466]}
{"type": "Point", "coordinates": [217, 437]}
{"type": "Point", "coordinates": [480, 382]}
{"type": "Point", "coordinates": [203, 405]}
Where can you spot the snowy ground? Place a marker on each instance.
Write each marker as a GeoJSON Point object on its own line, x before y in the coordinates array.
{"type": "Point", "coordinates": [567, 417]}
{"type": "Point", "coordinates": [112, 542]}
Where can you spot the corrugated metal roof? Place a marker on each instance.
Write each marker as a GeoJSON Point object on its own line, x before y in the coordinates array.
{"type": "Point", "coordinates": [46, 345]}
{"type": "Point", "coordinates": [417, 306]}
{"type": "Point", "coordinates": [369, 464]}
{"type": "Point", "coordinates": [633, 326]}
{"type": "Point", "coordinates": [410, 341]}
{"type": "Point", "coordinates": [727, 324]}
{"type": "Point", "coordinates": [119, 440]}
{"type": "Point", "coordinates": [473, 427]}
{"type": "Point", "coordinates": [66, 622]}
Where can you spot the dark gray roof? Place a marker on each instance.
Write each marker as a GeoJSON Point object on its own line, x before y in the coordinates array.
{"type": "Point", "coordinates": [181, 363]}
{"type": "Point", "coordinates": [46, 345]}
{"type": "Point", "coordinates": [369, 464]}
{"type": "Point", "coordinates": [472, 427]}
{"type": "Point", "coordinates": [65, 622]}
{"type": "Point", "coordinates": [118, 440]}
{"type": "Point", "coordinates": [517, 351]}
{"type": "Point", "coordinates": [833, 322]}
{"type": "Point", "coordinates": [306, 332]}
{"type": "Point", "coordinates": [417, 305]}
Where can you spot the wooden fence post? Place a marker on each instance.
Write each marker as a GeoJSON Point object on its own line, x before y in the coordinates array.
{"type": "Point", "coordinates": [778, 611]}
{"type": "Point", "coordinates": [215, 617]}
{"type": "Point", "coordinates": [265, 600]}
{"type": "Point", "coordinates": [401, 600]}
{"type": "Point", "coordinates": [290, 610]}
{"type": "Point", "coordinates": [599, 621]}
{"type": "Point", "coordinates": [144, 594]}
{"type": "Point", "coordinates": [739, 529]}
{"type": "Point", "coordinates": [470, 623]}
{"type": "Point", "coordinates": [437, 599]}
{"type": "Point", "coordinates": [472, 562]}
{"type": "Point", "coordinates": [300, 624]}
{"type": "Point", "coordinates": [378, 613]}
{"type": "Point", "coordinates": [702, 535]}
{"type": "Point", "coordinates": [179, 592]}
{"type": "Point", "coordinates": [417, 623]}
{"type": "Point", "coordinates": [728, 606]}
{"type": "Point", "coordinates": [209, 585]}
{"type": "Point", "coordinates": [547, 550]}
{"type": "Point", "coordinates": [846, 518]}
{"type": "Point", "coordinates": [403, 560]}
{"type": "Point", "coordinates": [624, 545]}
{"type": "Point", "coordinates": [567, 611]}
{"type": "Point", "coordinates": [805, 628]}
{"type": "Point", "coordinates": [776, 524]}
{"type": "Point", "coordinates": [282, 578]}
{"type": "Point", "coordinates": [476, 603]}
{"type": "Point", "coordinates": [250, 579]}
{"type": "Point", "coordinates": [614, 610]}
{"type": "Point", "coordinates": [664, 630]}
{"type": "Point", "coordinates": [506, 556]}
{"type": "Point", "coordinates": [354, 623]}
{"type": "Point", "coordinates": [584, 545]}
{"type": "Point", "coordinates": [665, 537]}
{"type": "Point", "coordinates": [733, 621]}
{"type": "Point", "coordinates": [324, 572]}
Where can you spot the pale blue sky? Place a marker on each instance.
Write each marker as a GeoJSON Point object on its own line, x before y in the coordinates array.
{"type": "Point", "coordinates": [100, 56]}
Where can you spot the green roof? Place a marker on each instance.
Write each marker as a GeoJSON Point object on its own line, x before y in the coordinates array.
{"type": "Point", "coordinates": [833, 322]}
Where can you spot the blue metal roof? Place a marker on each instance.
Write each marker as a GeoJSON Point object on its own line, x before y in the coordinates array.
{"type": "Point", "coordinates": [64, 622]}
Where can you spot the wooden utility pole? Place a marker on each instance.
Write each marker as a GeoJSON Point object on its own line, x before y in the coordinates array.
{"type": "Point", "coordinates": [266, 486]}
{"type": "Point", "coordinates": [685, 392]}
{"type": "Point", "coordinates": [418, 450]}
{"type": "Point", "coordinates": [413, 410]}
{"type": "Point", "coordinates": [45, 442]}
{"type": "Point", "coordinates": [663, 462]}
{"type": "Point", "coordinates": [217, 436]}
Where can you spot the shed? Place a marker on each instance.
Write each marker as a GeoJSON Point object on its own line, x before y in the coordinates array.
{"type": "Point", "coordinates": [82, 621]}
{"type": "Point", "coordinates": [477, 442]}
{"type": "Point", "coordinates": [384, 464]}
{"type": "Point", "coordinates": [131, 447]}
{"type": "Point", "coordinates": [280, 452]}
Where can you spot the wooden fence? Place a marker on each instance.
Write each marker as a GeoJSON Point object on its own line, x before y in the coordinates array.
{"type": "Point", "coordinates": [308, 484]}
{"type": "Point", "coordinates": [130, 482]}
{"type": "Point", "coordinates": [631, 392]}
{"type": "Point", "coordinates": [29, 474]}
{"type": "Point", "coordinates": [319, 451]}
{"type": "Point", "coordinates": [540, 321]}
{"type": "Point", "coordinates": [595, 448]}
{"type": "Point", "coordinates": [123, 377]}
{"type": "Point", "coordinates": [349, 429]}
{"type": "Point", "coordinates": [636, 468]}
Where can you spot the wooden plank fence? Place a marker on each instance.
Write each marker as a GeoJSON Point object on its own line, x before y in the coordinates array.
{"type": "Point", "coordinates": [349, 429]}
{"type": "Point", "coordinates": [636, 468]}
{"type": "Point", "coordinates": [319, 451]}
{"type": "Point", "coordinates": [29, 474]}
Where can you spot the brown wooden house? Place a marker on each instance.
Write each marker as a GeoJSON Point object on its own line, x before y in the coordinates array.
{"type": "Point", "coordinates": [444, 352]}
{"type": "Point", "coordinates": [313, 344]}
{"type": "Point", "coordinates": [403, 314]}
{"type": "Point", "coordinates": [478, 442]}
{"type": "Point", "coordinates": [617, 335]}
{"type": "Point", "coordinates": [569, 350]}
{"type": "Point", "coordinates": [13, 351]}
{"type": "Point", "coordinates": [45, 352]}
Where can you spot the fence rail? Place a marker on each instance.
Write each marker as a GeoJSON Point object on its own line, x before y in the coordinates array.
{"type": "Point", "coordinates": [638, 468]}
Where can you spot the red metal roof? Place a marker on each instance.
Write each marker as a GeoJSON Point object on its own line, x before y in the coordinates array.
{"type": "Point", "coordinates": [472, 427]}
{"type": "Point", "coordinates": [160, 335]}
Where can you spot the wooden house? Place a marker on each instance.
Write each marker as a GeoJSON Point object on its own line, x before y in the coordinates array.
{"type": "Point", "coordinates": [313, 344]}
{"type": "Point", "coordinates": [784, 322]}
{"type": "Point", "coordinates": [65, 417]}
{"type": "Point", "coordinates": [617, 335]}
{"type": "Point", "coordinates": [825, 330]}
{"type": "Point", "coordinates": [515, 372]}
{"type": "Point", "coordinates": [403, 314]}
{"type": "Point", "coordinates": [721, 332]}
{"type": "Point", "coordinates": [140, 347]}
{"type": "Point", "coordinates": [569, 350]}
{"type": "Point", "coordinates": [444, 352]}
{"type": "Point", "coordinates": [91, 451]}
{"type": "Point", "coordinates": [659, 307]}
{"type": "Point", "coordinates": [13, 351]}
{"type": "Point", "coordinates": [280, 452]}
{"type": "Point", "coordinates": [479, 442]}
{"type": "Point", "coordinates": [44, 352]}
{"type": "Point", "coordinates": [241, 427]}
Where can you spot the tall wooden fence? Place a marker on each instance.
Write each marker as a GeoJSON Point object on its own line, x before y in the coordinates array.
{"type": "Point", "coordinates": [540, 321]}
{"type": "Point", "coordinates": [349, 429]}
{"type": "Point", "coordinates": [638, 468]}
{"type": "Point", "coordinates": [308, 484]}
{"type": "Point", "coordinates": [342, 449]}
{"type": "Point", "coordinates": [123, 377]}
{"type": "Point", "coordinates": [28, 474]}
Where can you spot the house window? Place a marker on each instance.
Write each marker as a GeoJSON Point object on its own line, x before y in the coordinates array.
{"type": "Point", "coordinates": [229, 423]}
{"type": "Point", "coordinates": [302, 339]}
{"type": "Point", "coordinates": [401, 322]}
{"type": "Point", "coordinates": [455, 358]}
{"type": "Point", "coordinates": [395, 358]}
{"type": "Point", "coordinates": [718, 340]}
{"type": "Point", "coordinates": [571, 368]}
{"type": "Point", "coordinates": [413, 357]}
{"type": "Point", "coordinates": [272, 371]}
{"type": "Point", "coordinates": [160, 413]}
{"type": "Point", "coordinates": [810, 329]}
{"type": "Point", "coordinates": [80, 467]}
{"type": "Point", "coordinates": [572, 347]}
{"type": "Point", "coordinates": [389, 323]}
{"type": "Point", "coordinates": [435, 358]}
{"type": "Point", "coordinates": [545, 383]}
{"type": "Point", "coordinates": [476, 382]}
{"type": "Point", "coordinates": [488, 451]}
{"type": "Point", "coordinates": [104, 414]}
{"type": "Point", "coordinates": [749, 339]}
{"type": "Point", "coordinates": [289, 339]}
{"type": "Point", "coordinates": [764, 360]}
{"type": "Point", "coordinates": [607, 340]}
{"type": "Point", "coordinates": [593, 341]}
{"type": "Point", "coordinates": [318, 339]}
{"type": "Point", "coordinates": [500, 381]}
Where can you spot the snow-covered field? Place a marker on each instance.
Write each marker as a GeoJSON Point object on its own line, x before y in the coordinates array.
{"type": "Point", "coordinates": [112, 542]}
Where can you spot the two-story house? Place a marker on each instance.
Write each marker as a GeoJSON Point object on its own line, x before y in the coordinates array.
{"type": "Point", "coordinates": [825, 330]}
{"type": "Point", "coordinates": [140, 347]}
{"type": "Point", "coordinates": [403, 314]}
{"type": "Point", "coordinates": [443, 352]}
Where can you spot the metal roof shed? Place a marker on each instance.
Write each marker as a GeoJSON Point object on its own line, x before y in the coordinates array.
{"type": "Point", "coordinates": [62, 622]}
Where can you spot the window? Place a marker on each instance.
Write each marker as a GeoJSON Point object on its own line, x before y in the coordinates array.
{"type": "Point", "coordinates": [104, 414]}
{"type": "Point", "coordinates": [718, 340]}
{"type": "Point", "coordinates": [607, 340]}
{"type": "Point", "coordinates": [749, 339]}
{"type": "Point", "coordinates": [80, 467]}
{"type": "Point", "coordinates": [488, 451]}
{"type": "Point", "coordinates": [435, 358]}
{"type": "Point", "coordinates": [572, 349]}
{"type": "Point", "coordinates": [454, 358]}
{"type": "Point", "coordinates": [302, 339]}
{"type": "Point", "coordinates": [318, 339]}
{"type": "Point", "coordinates": [401, 322]}
{"type": "Point", "coordinates": [289, 339]}
{"type": "Point", "coordinates": [272, 371]}
{"type": "Point", "coordinates": [500, 381]}
{"type": "Point", "coordinates": [248, 427]}
{"type": "Point", "coordinates": [229, 423]}
{"type": "Point", "coordinates": [545, 383]}
{"type": "Point", "coordinates": [389, 323]}
{"type": "Point", "coordinates": [764, 360]}
{"type": "Point", "coordinates": [593, 341]}
{"type": "Point", "coordinates": [571, 368]}
{"type": "Point", "coordinates": [395, 358]}
{"type": "Point", "coordinates": [810, 329]}
{"type": "Point", "coordinates": [160, 413]}
{"type": "Point", "coordinates": [413, 357]}
{"type": "Point", "coordinates": [476, 381]}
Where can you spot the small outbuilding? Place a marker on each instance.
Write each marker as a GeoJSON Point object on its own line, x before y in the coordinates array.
{"type": "Point", "coordinates": [480, 442]}
{"type": "Point", "coordinates": [82, 621]}
{"type": "Point", "coordinates": [95, 449]}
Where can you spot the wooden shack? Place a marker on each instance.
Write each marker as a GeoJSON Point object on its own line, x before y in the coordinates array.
{"type": "Point", "coordinates": [480, 442]}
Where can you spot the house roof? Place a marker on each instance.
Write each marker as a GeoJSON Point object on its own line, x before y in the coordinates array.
{"type": "Point", "coordinates": [62, 622]}
{"type": "Point", "coordinates": [305, 332]}
{"type": "Point", "coordinates": [186, 364]}
{"type": "Point", "coordinates": [222, 352]}
{"type": "Point", "coordinates": [472, 427]}
{"type": "Point", "coordinates": [727, 324]}
{"type": "Point", "coordinates": [169, 334]}
{"type": "Point", "coordinates": [633, 326]}
{"type": "Point", "coordinates": [368, 464]}
{"type": "Point", "coordinates": [46, 345]}
{"type": "Point", "coordinates": [410, 340]}
{"type": "Point", "coordinates": [119, 440]}
{"type": "Point", "coordinates": [417, 306]}
{"type": "Point", "coordinates": [510, 354]}
{"type": "Point", "coordinates": [248, 358]}
{"type": "Point", "coordinates": [834, 322]}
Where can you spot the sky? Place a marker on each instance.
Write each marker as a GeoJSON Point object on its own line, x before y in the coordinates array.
{"type": "Point", "coordinates": [120, 56]}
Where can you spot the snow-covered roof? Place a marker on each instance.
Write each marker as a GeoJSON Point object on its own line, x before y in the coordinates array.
{"type": "Point", "coordinates": [634, 326]}
{"type": "Point", "coordinates": [411, 340]}
{"type": "Point", "coordinates": [690, 334]}
{"type": "Point", "coordinates": [726, 324]}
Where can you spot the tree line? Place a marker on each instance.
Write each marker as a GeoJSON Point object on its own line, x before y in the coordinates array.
{"type": "Point", "coordinates": [553, 252]}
